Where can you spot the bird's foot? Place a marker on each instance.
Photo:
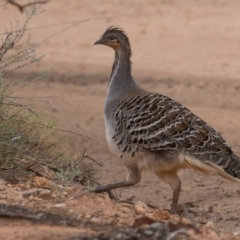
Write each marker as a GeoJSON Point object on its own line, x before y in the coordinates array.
{"type": "Point", "coordinates": [97, 190]}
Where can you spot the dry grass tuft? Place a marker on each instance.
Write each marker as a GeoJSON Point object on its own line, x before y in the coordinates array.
{"type": "Point", "coordinates": [30, 144]}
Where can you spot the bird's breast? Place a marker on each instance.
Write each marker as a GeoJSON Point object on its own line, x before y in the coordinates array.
{"type": "Point", "coordinates": [125, 157]}
{"type": "Point", "coordinates": [110, 132]}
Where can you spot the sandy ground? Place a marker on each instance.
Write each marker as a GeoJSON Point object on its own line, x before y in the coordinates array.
{"type": "Point", "coordinates": [188, 50]}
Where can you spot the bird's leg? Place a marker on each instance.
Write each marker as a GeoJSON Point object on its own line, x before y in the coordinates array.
{"type": "Point", "coordinates": [133, 177]}
{"type": "Point", "coordinates": [176, 187]}
{"type": "Point", "coordinates": [174, 181]}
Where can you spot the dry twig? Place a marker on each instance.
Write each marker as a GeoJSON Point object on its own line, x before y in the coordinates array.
{"type": "Point", "coordinates": [22, 7]}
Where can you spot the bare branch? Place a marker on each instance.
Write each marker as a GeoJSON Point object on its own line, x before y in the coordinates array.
{"type": "Point", "coordinates": [99, 164]}
{"type": "Point", "coordinates": [22, 7]}
{"type": "Point", "coordinates": [4, 48]}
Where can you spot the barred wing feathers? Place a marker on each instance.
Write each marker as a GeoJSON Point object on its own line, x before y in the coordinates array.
{"type": "Point", "coordinates": [154, 122]}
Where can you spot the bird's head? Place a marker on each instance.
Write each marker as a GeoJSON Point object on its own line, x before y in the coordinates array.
{"type": "Point", "coordinates": [115, 38]}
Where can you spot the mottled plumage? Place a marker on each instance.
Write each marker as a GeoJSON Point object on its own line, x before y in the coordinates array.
{"type": "Point", "coordinates": [155, 122]}
{"type": "Point", "coordinates": [150, 131]}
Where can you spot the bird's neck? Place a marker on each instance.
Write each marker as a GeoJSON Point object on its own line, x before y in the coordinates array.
{"type": "Point", "coordinates": [121, 83]}
{"type": "Point", "coordinates": [122, 64]}
{"type": "Point", "coordinates": [121, 78]}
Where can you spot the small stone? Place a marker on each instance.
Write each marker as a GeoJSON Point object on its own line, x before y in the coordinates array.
{"type": "Point", "coordinates": [197, 180]}
{"type": "Point", "coordinates": [60, 205]}
{"type": "Point", "coordinates": [42, 182]}
{"type": "Point", "coordinates": [148, 232]}
{"type": "Point", "coordinates": [139, 210]}
{"type": "Point", "coordinates": [55, 194]}
{"type": "Point", "coordinates": [96, 220]}
{"type": "Point", "coordinates": [65, 194]}
{"type": "Point", "coordinates": [156, 225]}
{"type": "Point", "coordinates": [14, 195]}
{"type": "Point", "coordinates": [210, 225]}
{"type": "Point", "coordinates": [45, 194]}
{"type": "Point", "coordinates": [160, 214]}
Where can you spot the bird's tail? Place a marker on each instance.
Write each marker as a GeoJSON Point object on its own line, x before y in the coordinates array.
{"type": "Point", "coordinates": [228, 166]}
{"type": "Point", "coordinates": [233, 166]}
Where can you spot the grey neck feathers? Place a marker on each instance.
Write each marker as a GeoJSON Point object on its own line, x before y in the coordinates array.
{"type": "Point", "coordinates": [121, 80]}
{"type": "Point", "coordinates": [122, 63]}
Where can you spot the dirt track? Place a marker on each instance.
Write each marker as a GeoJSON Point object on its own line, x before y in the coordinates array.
{"type": "Point", "coordinates": [188, 50]}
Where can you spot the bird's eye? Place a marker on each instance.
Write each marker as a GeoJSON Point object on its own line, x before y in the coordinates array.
{"type": "Point", "coordinates": [111, 38]}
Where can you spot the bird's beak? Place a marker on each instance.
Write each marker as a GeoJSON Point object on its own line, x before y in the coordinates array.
{"type": "Point", "coordinates": [100, 41]}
